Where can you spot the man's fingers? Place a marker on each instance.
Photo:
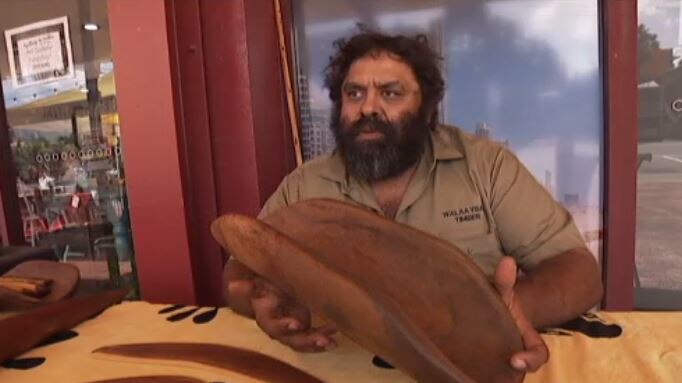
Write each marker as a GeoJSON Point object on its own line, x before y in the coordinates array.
{"type": "Point", "coordinates": [289, 330]}
{"type": "Point", "coordinates": [279, 327]}
{"type": "Point", "coordinates": [243, 288]}
{"type": "Point", "coordinates": [505, 279]}
{"type": "Point", "coordinates": [311, 340]}
{"type": "Point", "coordinates": [536, 352]}
{"type": "Point", "coordinates": [271, 316]}
{"type": "Point", "coordinates": [297, 311]}
{"type": "Point", "coordinates": [238, 287]}
{"type": "Point", "coordinates": [531, 359]}
{"type": "Point", "coordinates": [287, 321]}
{"type": "Point", "coordinates": [238, 296]}
{"type": "Point", "coordinates": [268, 312]}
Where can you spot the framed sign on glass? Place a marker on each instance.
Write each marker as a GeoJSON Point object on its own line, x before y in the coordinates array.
{"type": "Point", "coordinates": [40, 52]}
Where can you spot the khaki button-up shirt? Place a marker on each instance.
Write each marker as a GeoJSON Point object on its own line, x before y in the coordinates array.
{"type": "Point", "coordinates": [466, 190]}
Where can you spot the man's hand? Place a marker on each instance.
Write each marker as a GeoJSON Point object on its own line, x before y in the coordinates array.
{"type": "Point", "coordinates": [238, 287]}
{"type": "Point", "coordinates": [536, 352]}
{"type": "Point", "coordinates": [277, 315]}
{"type": "Point", "coordinates": [287, 321]}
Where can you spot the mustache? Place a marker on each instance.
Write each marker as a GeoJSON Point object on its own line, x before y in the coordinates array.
{"type": "Point", "coordinates": [367, 124]}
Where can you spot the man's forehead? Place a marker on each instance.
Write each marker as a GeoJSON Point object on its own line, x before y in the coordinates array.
{"type": "Point", "coordinates": [379, 69]}
{"type": "Point", "coordinates": [378, 83]}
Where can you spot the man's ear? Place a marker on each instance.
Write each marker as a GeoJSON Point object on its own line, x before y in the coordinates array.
{"type": "Point", "coordinates": [430, 113]}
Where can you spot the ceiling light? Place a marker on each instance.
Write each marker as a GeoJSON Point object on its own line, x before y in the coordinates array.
{"type": "Point", "coordinates": [90, 27]}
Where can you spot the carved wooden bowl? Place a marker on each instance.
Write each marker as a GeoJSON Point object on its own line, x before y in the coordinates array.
{"type": "Point", "coordinates": [414, 299]}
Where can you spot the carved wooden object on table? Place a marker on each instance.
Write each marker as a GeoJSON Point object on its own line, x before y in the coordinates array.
{"type": "Point", "coordinates": [20, 332]}
{"type": "Point", "coordinates": [412, 298]}
{"type": "Point", "coordinates": [153, 379]}
{"type": "Point", "coordinates": [64, 279]}
{"type": "Point", "coordinates": [250, 363]}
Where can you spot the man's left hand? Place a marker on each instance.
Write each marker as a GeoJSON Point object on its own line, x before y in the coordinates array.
{"type": "Point", "coordinates": [536, 352]}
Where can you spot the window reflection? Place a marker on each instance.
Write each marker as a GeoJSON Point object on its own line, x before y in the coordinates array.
{"type": "Point", "coordinates": [659, 175]}
{"type": "Point", "coordinates": [522, 72]}
{"type": "Point", "coordinates": [65, 136]}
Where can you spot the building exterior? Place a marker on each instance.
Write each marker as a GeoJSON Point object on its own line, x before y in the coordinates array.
{"type": "Point", "coordinates": [191, 122]}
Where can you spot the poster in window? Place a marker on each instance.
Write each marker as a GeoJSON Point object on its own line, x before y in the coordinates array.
{"type": "Point", "coordinates": [40, 52]}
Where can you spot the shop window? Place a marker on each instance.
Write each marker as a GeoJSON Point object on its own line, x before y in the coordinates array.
{"type": "Point", "coordinates": [524, 73]}
{"type": "Point", "coordinates": [658, 277]}
{"type": "Point", "coordinates": [60, 98]}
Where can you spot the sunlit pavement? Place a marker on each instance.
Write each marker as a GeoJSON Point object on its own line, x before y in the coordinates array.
{"type": "Point", "coordinates": [659, 216]}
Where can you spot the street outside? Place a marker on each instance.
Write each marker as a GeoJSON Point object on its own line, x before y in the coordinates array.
{"type": "Point", "coordinates": [659, 216]}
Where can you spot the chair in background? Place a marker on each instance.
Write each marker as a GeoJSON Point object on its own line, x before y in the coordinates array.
{"type": "Point", "coordinates": [33, 223]}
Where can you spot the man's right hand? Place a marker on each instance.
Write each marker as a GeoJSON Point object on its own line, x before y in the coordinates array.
{"type": "Point", "coordinates": [277, 315]}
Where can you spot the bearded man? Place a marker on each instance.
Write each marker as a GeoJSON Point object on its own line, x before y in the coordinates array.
{"type": "Point", "coordinates": [394, 158]}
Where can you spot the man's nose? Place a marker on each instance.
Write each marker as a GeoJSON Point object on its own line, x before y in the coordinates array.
{"type": "Point", "coordinates": [370, 106]}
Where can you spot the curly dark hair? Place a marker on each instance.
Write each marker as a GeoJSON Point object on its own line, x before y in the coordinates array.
{"type": "Point", "coordinates": [414, 51]}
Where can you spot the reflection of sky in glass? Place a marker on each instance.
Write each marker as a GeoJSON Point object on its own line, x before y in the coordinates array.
{"type": "Point", "coordinates": [567, 27]}
{"type": "Point", "coordinates": [528, 69]}
{"type": "Point", "coordinates": [662, 17]}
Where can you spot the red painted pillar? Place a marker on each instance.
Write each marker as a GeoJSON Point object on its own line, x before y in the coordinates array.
{"type": "Point", "coordinates": [620, 21]}
{"type": "Point", "coordinates": [151, 149]}
{"type": "Point", "coordinates": [199, 187]}
{"type": "Point", "coordinates": [251, 138]}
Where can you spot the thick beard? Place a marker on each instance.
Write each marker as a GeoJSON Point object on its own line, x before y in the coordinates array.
{"type": "Point", "coordinates": [375, 160]}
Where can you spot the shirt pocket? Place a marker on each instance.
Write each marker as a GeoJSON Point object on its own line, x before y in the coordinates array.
{"type": "Point", "coordinates": [484, 248]}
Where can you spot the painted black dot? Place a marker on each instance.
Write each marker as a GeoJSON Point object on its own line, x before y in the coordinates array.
{"type": "Point", "coordinates": [206, 317]}
{"type": "Point", "coordinates": [170, 309]}
{"type": "Point", "coordinates": [378, 362]}
{"type": "Point", "coordinates": [23, 363]}
{"type": "Point", "coordinates": [59, 337]}
{"type": "Point", "coordinates": [593, 329]}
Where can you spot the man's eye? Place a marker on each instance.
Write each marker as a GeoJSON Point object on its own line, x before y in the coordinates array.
{"type": "Point", "coordinates": [354, 94]}
{"type": "Point", "coordinates": [390, 94]}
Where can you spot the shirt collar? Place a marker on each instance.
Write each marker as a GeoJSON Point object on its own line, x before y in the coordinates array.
{"type": "Point", "coordinates": [336, 169]}
{"type": "Point", "coordinates": [446, 143]}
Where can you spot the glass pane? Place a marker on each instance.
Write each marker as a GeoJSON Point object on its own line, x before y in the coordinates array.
{"type": "Point", "coordinates": [522, 72]}
{"type": "Point", "coordinates": [659, 175]}
{"type": "Point", "coordinates": [59, 93]}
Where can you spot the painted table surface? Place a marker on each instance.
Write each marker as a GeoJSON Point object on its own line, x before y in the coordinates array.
{"type": "Point", "coordinates": [606, 347]}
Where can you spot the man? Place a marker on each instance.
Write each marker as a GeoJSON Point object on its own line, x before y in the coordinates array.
{"type": "Point", "coordinates": [45, 182]}
{"type": "Point", "coordinates": [393, 158]}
